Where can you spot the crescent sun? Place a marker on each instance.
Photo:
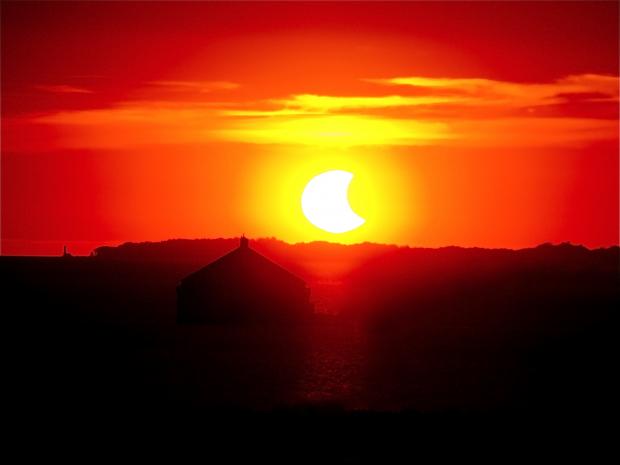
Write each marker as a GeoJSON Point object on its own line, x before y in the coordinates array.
{"type": "Point", "coordinates": [325, 202]}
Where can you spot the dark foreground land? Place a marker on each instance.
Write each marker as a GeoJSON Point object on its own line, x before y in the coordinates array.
{"type": "Point", "coordinates": [415, 349]}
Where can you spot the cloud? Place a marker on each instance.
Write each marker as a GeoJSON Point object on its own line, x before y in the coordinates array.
{"type": "Point", "coordinates": [531, 132]}
{"type": "Point", "coordinates": [335, 130]}
{"type": "Point", "coordinates": [485, 92]}
{"type": "Point", "coordinates": [133, 124]}
{"type": "Point", "coordinates": [327, 103]}
{"type": "Point", "coordinates": [195, 86]}
{"type": "Point", "coordinates": [452, 111]}
{"type": "Point", "coordinates": [63, 89]}
{"type": "Point", "coordinates": [147, 123]}
{"type": "Point", "coordinates": [151, 123]}
{"type": "Point", "coordinates": [312, 104]}
{"type": "Point", "coordinates": [155, 112]}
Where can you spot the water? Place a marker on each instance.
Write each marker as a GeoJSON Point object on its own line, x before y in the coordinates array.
{"type": "Point", "coordinates": [334, 363]}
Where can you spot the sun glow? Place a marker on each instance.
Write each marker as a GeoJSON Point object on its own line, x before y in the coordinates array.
{"type": "Point", "coordinates": [380, 202]}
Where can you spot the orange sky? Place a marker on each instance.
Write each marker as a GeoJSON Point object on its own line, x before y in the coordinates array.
{"type": "Point", "coordinates": [474, 124]}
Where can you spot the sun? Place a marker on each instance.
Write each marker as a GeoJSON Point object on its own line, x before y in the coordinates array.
{"type": "Point", "coordinates": [325, 202]}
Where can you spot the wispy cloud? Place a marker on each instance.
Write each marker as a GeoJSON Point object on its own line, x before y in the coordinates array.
{"type": "Point", "coordinates": [147, 123]}
{"type": "Point", "coordinates": [471, 111]}
{"type": "Point", "coordinates": [328, 103]}
{"type": "Point", "coordinates": [531, 132]}
{"type": "Point", "coordinates": [63, 89]}
{"type": "Point", "coordinates": [195, 86]}
{"type": "Point", "coordinates": [313, 104]}
{"type": "Point", "coordinates": [133, 124]}
{"type": "Point", "coordinates": [484, 92]}
{"type": "Point", "coordinates": [335, 130]}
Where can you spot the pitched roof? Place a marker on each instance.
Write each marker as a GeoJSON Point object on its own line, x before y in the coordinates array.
{"type": "Point", "coordinates": [243, 261]}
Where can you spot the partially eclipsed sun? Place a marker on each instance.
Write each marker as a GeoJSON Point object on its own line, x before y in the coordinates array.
{"type": "Point", "coordinates": [326, 204]}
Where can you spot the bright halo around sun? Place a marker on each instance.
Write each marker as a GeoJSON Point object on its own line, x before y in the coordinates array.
{"type": "Point", "coordinates": [325, 202]}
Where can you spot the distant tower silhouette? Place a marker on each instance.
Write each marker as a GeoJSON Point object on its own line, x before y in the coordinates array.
{"type": "Point", "coordinates": [65, 253]}
{"type": "Point", "coordinates": [243, 242]}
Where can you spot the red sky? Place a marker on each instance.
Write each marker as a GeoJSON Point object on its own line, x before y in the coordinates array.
{"type": "Point", "coordinates": [475, 124]}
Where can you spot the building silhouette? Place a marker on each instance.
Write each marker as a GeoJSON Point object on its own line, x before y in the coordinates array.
{"type": "Point", "coordinates": [243, 286]}
{"type": "Point", "coordinates": [65, 252]}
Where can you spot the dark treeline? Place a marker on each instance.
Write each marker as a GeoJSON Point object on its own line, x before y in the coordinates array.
{"type": "Point", "coordinates": [532, 329]}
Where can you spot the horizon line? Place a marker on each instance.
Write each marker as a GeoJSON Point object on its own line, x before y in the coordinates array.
{"type": "Point", "coordinates": [275, 239]}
